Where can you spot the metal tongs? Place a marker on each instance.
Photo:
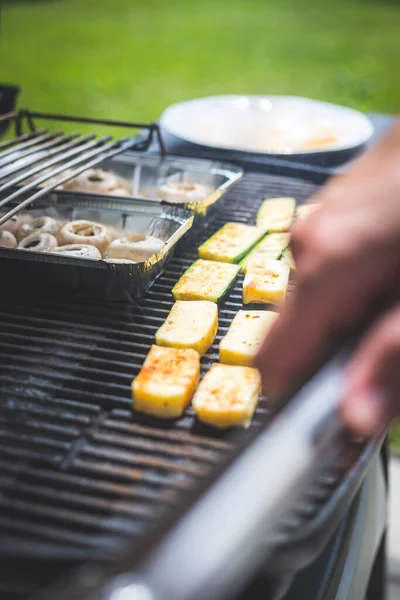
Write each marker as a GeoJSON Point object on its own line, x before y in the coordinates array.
{"type": "Point", "coordinates": [230, 529]}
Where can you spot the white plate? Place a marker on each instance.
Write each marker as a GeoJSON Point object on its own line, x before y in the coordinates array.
{"type": "Point", "coordinates": [267, 124]}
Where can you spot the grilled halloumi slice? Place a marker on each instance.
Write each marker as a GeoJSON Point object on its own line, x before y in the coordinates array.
{"type": "Point", "coordinates": [227, 396]}
{"type": "Point", "coordinates": [166, 382]}
{"type": "Point", "coordinates": [190, 325]}
{"type": "Point", "coordinates": [245, 336]}
{"type": "Point", "coordinates": [266, 281]}
{"type": "Point", "coordinates": [276, 214]}
{"type": "Point", "coordinates": [272, 246]}
{"type": "Point", "coordinates": [205, 280]}
{"type": "Point", "coordinates": [304, 210]}
{"type": "Point", "coordinates": [230, 243]}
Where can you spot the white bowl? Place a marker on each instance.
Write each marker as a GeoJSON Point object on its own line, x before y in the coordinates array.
{"type": "Point", "coordinates": [279, 125]}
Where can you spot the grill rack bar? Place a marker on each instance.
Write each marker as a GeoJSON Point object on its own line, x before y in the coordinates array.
{"type": "Point", "coordinates": [24, 146]}
{"type": "Point", "coordinates": [31, 139]}
{"type": "Point", "coordinates": [70, 147]}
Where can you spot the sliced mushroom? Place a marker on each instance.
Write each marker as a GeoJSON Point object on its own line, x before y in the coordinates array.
{"type": "Point", "coordinates": [78, 250]}
{"type": "Point", "coordinates": [182, 191]}
{"type": "Point", "coordinates": [38, 242]}
{"type": "Point", "coordinates": [38, 225]}
{"type": "Point", "coordinates": [137, 248]}
{"type": "Point", "coordinates": [97, 181]}
{"type": "Point", "coordinates": [12, 225]}
{"type": "Point", "coordinates": [84, 233]}
{"type": "Point", "coordinates": [120, 261]}
{"type": "Point", "coordinates": [7, 240]}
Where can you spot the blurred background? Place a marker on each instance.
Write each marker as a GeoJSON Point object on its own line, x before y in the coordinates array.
{"type": "Point", "coordinates": [129, 59]}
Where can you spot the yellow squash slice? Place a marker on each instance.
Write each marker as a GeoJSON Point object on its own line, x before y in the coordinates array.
{"type": "Point", "coordinates": [190, 325]}
{"type": "Point", "coordinates": [272, 246]}
{"type": "Point", "coordinates": [205, 280]}
{"type": "Point", "coordinates": [166, 382]}
{"type": "Point", "coordinates": [266, 281]}
{"type": "Point", "coordinates": [245, 336]}
{"type": "Point", "coordinates": [276, 214]}
{"type": "Point", "coordinates": [230, 243]}
{"type": "Point", "coordinates": [227, 396]}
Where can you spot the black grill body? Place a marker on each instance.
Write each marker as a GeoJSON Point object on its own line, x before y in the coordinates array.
{"type": "Point", "coordinates": [80, 474]}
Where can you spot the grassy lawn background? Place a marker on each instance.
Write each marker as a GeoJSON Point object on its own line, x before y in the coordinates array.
{"type": "Point", "coordinates": [129, 59]}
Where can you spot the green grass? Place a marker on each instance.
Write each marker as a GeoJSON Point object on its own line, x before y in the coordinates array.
{"type": "Point", "coordinates": [129, 59]}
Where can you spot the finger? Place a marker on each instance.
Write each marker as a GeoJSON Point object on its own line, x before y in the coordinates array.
{"type": "Point", "coordinates": [372, 396]}
{"type": "Point", "coordinates": [325, 301]}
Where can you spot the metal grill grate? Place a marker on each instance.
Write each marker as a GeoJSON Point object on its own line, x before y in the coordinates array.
{"type": "Point", "coordinates": [47, 160]}
{"type": "Point", "coordinates": [79, 473]}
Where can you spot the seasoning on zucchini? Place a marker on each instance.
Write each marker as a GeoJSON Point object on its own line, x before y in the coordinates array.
{"type": "Point", "coordinates": [230, 243]}
{"type": "Point", "coordinates": [166, 382]}
{"type": "Point", "coordinates": [272, 246]}
{"type": "Point", "coordinates": [190, 325]}
{"type": "Point", "coordinates": [276, 214]}
{"type": "Point", "coordinates": [227, 396]}
{"type": "Point", "coordinates": [266, 281]}
{"type": "Point", "coordinates": [205, 280]}
{"type": "Point", "coordinates": [245, 336]}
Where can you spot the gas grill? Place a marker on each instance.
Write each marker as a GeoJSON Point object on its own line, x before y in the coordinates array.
{"type": "Point", "coordinates": [84, 481]}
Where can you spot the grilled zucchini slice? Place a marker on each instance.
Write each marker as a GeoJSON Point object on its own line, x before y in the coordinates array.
{"type": "Point", "coordinates": [166, 382]}
{"type": "Point", "coordinates": [287, 259]}
{"type": "Point", "coordinates": [190, 325]}
{"type": "Point", "coordinates": [227, 396]}
{"type": "Point", "coordinates": [276, 214]}
{"type": "Point", "coordinates": [304, 210]}
{"type": "Point", "coordinates": [230, 243]}
{"type": "Point", "coordinates": [245, 336]}
{"type": "Point", "coordinates": [205, 280]}
{"type": "Point", "coordinates": [272, 246]}
{"type": "Point", "coordinates": [266, 281]}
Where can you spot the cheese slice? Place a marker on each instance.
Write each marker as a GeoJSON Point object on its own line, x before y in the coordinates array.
{"type": "Point", "coordinates": [245, 336]}
{"type": "Point", "coordinates": [230, 243]}
{"type": "Point", "coordinates": [166, 382]}
{"type": "Point", "coordinates": [266, 281]}
{"type": "Point", "coordinates": [276, 214]}
{"type": "Point", "coordinates": [304, 210]}
{"type": "Point", "coordinates": [190, 325]}
{"type": "Point", "coordinates": [227, 396]}
{"type": "Point", "coordinates": [205, 280]}
{"type": "Point", "coordinates": [272, 246]}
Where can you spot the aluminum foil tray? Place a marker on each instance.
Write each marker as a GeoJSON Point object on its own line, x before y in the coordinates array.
{"type": "Point", "coordinates": [26, 269]}
{"type": "Point", "coordinates": [146, 174]}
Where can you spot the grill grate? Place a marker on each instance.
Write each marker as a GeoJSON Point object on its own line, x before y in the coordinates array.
{"type": "Point", "coordinates": [79, 473]}
{"type": "Point", "coordinates": [49, 159]}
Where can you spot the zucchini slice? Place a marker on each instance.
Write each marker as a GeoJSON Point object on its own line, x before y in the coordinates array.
{"type": "Point", "coordinates": [227, 396]}
{"type": "Point", "coordinates": [271, 246]}
{"type": "Point", "coordinates": [205, 280]}
{"type": "Point", "coordinates": [245, 336]}
{"type": "Point", "coordinates": [276, 214]}
{"type": "Point", "coordinates": [190, 325]}
{"type": "Point", "coordinates": [230, 243]}
{"type": "Point", "coordinates": [287, 259]}
{"type": "Point", "coordinates": [266, 282]}
{"type": "Point", "coordinates": [166, 382]}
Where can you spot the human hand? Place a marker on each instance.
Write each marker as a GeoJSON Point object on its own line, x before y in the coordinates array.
{"type": "Point", "coordinates": [347, 256]}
